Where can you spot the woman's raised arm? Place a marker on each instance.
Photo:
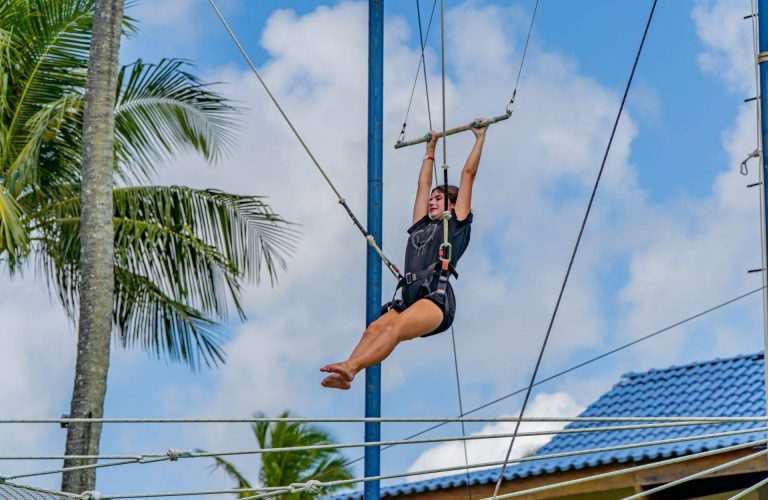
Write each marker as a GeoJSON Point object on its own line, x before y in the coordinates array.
{"type": "Point", "coordinates": [421, 203]}
{"type": "Point", "coordinates": [464, 200]}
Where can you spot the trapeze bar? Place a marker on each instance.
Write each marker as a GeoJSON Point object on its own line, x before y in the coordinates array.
{"type": "Point", "coordinates": [463, 128]}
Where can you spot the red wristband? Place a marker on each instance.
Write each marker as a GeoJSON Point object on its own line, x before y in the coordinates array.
{"type": "Point", "coordinates": [429, 157]}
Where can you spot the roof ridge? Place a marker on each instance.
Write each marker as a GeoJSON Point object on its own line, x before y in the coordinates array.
{"type": "Point", "coordinates": [714, 361]}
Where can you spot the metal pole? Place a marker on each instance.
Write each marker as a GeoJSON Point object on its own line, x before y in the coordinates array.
{"type": "Point", "coordinates": [762, 61]}
{"type": "Point", "coordinates": [373, 280]}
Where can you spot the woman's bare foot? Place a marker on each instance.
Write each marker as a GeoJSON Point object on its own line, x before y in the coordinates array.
{"type": "Point", "coordinates": [334, 381]}
{"type": "Point", "coordinates": [342, 369]}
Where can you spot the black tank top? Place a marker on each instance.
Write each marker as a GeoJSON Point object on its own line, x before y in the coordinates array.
{"type": "Point", "coordinates": [423, 248]}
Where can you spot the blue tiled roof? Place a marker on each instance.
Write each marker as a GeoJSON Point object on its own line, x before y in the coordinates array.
{"type": "Point", "coordinates": [719, 387]}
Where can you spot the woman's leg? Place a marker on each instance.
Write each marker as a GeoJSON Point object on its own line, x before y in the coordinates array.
{"type": "Point", "coordinates": [420, 318]}
{"type": "Point", "coordinates": [334, 380]}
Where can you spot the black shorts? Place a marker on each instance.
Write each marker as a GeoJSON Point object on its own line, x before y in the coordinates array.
{"type": "Point", "coordinates": [438, 299]}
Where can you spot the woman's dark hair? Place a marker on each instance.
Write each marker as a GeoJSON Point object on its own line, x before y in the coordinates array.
{"type": "Point", "coordinates": [453, 192]}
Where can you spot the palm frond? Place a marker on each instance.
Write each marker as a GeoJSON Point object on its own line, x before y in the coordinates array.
{"type": "Point", "coordinates": [161, 110]}
{"type": "Point", "coordinates": [183, 253]}
{"type": "Point", "coordinates": [51, 46]}
{"type": "Point", "coordinates": [146, 316]}
{"type": "Point", "coordinates": [13, 235]}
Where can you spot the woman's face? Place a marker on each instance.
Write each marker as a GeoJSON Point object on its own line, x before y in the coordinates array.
{"type": "Point", "coordinates": [437, 205]}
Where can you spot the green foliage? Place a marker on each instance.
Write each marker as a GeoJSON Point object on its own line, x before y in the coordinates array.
{"type": "Point", "coordinates": [181, 253]}
{"type": "Point", "coordinates": [285, 468]}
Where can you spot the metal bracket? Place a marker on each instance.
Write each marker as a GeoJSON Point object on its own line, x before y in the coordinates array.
{"type": "Point", "coordinates": [743, 169]}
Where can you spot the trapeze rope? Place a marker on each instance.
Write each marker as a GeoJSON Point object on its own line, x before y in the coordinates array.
{"type": "Point", "coordinates": [368, 237]}
{"type": "Point", "coordinates": [575, 248]}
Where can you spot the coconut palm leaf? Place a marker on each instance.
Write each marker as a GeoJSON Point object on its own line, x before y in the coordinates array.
{"type": "Point", "coordinates": [161, 110]}
{"type": "Point", "coordinates": [147, 317]}
{"type": "Point", "coordinates": [175, 245]}
{"type": "Point", "coordinates": [284, 468]}
{"type": "Point", "coordinates": [13, 235]}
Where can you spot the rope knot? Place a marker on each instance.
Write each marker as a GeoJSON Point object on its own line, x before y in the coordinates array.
{"type": "Point", "coordinates": [312, 486]}
{"type": "Point", "coordinates": [91, 495]}
{"type": "Point", "coordinates": [174, 454]}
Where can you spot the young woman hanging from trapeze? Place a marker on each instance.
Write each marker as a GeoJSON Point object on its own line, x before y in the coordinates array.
{"type": "Point", "coordinates": [427, 306]}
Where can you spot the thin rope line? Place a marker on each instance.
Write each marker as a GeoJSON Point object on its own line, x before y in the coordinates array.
{"type": "Point", "coordinates": [629, 470]}
{"type": "Point", "coordinates": [442, 75]}
{"type": "Point", "coordinates": [511, 105]}
{"type": "Point", "coordinates": [461, 410]}
{"type": "Point", "coordinates": [346, 420]}
{"type": "Point", "coordinates": [652, 465]}
{"type": "Point", "coordinates": [423, 60]}
{"type": "Point", "coordinates": [749, 490]}
{"type": "Point", "coordinates": [445, 469]}
{"type": "Point", "coordinates": [422, 63]}
{"type": "Point", "coordinates": [580, 430]}
{"type": "Point", "coordinates": [369, 237]}
{"type": "Point", "coordinates": [576, 246]}
{"type": "Point", "coordinates": [699, 474]}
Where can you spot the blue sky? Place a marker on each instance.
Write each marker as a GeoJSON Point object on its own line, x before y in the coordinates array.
{"type": "Point", "coordinates": [673, 231]}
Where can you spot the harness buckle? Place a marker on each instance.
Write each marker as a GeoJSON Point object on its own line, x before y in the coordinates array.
{"type": "Point", "coordinates": [409, 278]}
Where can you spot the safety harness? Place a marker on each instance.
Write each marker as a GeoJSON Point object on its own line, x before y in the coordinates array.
{"type": "Point", "coordinates": [442, 269]}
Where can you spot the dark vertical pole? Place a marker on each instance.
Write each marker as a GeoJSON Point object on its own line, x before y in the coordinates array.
{"type": "Point", "coordinates": [762, 60]}
{"type": "Point", "coordinates": [373, 281]}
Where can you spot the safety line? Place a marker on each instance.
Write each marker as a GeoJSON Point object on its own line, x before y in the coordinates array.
{"type": "Point", "coordinates": [297, 488]}
{"type": "Point", "coordinates": [422, 62]}
{"type": "Point", "coordinates": [629, 470]}
{"type": "Point", "coordinates": [511, 105]}
{"type": "Point", "coordinates": [520, 493]}
{"type": "Point", "coordinates": [461, 410]}
{"type": "Point", "coordinates": [699, 474]}
{"type": "Point", "coordinates": [750, 489]}
{"type": "Point", "coordinates": [578, 242]}
{"type": "Point", "coordinates": [176, 455]}
{"type": "Point", "coordinates": [346, 420]}
{"type": "Point", "coordinates": [549, 432]}
{"type": "Point", "coordinates": [368, 237]}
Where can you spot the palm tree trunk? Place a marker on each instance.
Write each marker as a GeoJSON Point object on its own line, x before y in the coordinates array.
{"type": "Point", "coordinates": [97, 244]}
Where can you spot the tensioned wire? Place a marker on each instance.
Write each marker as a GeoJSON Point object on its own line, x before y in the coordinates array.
{"type": "Point", "coordinates": [526, 492]}
{"type": "Point", "coordinates": [639, 468]}
{"type": "Point", "coordinates": [297, 488]}
{"type": "Point", "coordinates": [422, 63]}
{"type": "Point", "coordinates": [576, 245]}
{"type": "Point", "coordinates": [180, 454]}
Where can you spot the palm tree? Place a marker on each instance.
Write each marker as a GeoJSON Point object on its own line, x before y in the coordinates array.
{"type": "Point", "coordinates": [97, 243]}
{"type": "Point", "coordinates": [181, 255]}
{"type": "Point", "coordinates": [285, 468]}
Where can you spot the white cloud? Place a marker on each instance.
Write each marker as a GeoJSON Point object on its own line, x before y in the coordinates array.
{"type": "Point", "coordinates": [727, 36]}
{"type": "Point", "coordinates": [702, 248]}
{"type": "Point", "coordinates": [558, 404]}
{"type": "Point", "coordinates": [36, 372]}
